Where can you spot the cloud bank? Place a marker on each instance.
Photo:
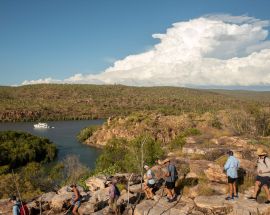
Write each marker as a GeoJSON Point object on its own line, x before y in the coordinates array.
{"type": "Point", "coordinates": [213, 50]}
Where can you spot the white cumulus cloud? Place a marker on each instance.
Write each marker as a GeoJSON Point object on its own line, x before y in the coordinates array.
{"type": "Point", "coordinates": [213, 50]}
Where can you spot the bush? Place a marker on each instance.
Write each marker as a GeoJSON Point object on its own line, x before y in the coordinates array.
{"type": "Point", "coordinates": [179, 141]}
{"type": "Point", "coordinates": [119, 155]}
{"type": "Point", "coordinates": [19, 148]}
{"type": "Point", "coordinates": [87, 132]}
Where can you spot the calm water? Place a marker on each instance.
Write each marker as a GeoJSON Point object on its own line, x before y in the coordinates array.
{"type": "Point", "coordinates": [64, 136]}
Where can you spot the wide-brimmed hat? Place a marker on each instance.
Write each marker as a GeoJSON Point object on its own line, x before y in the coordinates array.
{"type": "Point", "coordinates": [166, 160]}
{"type": "Point", "coordinates": [261, 151]}
{"type": "Point", "coordinates": [145, 166]}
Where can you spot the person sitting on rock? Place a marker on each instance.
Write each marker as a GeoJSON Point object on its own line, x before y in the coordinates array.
{"type": "Point", "coordinates": [171, 176]}
{"type": "Point", "coordinates": [150, 183]}
{"type": "Point", "coordinates": [263, 175]}
{"type": "Point", "coordinates": [114, 194]}
{"type": "Point", "coordinates": [231, 167]}
{"type": "Point", "coordinates": [76, 199]}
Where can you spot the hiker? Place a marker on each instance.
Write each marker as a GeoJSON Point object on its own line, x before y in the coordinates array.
{"type": "Point", "coordinates": [171, 176]}
{"type": "Point", "coordinates": [150, 183]}
{"type": "Point", "coordinates": [24, 209]}
{"type": "Point", "coordinates": [231, 167]}
{"type": "Point", "coordinates": [75, 200]}
{"type": "Point", "coordinates": [16, 205]}
{"type": "Point", "coordinates": [263, 175]}
{"type": "Point", "coordinates": [114, 194]}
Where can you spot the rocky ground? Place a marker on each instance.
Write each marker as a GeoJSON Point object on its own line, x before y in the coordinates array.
{"type": "Point", "coordinates": [202, 186]}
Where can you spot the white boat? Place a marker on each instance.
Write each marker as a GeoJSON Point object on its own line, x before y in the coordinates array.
{"type": "Point", "coordinates": [41, 125]}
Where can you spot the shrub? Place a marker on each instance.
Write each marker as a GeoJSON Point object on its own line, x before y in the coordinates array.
{"type": "Point", "coordinates": [119, 155]}
{"type": "Point", "coordinates": [87, 132]}
{"type": "Point", "coordinates": [179, 141]}
{"type": "Point", "coordinates": [19, 148]}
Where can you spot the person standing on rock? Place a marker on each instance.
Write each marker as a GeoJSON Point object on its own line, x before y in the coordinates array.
{"type": "Point", "coordinates": [114, 194]}
{"type": "Point", "coordinates": [263, 175]}
{"type": "Point", "coordinates": [76, 199]}
{"type": "Point", "coordinates": [16, 206]}
{"type": "Point", "coordinates": [231, 167]}
{"type": "Point", "coordinates": [171, 176]}
{"type": "Point", "coordinates": [150, 183]}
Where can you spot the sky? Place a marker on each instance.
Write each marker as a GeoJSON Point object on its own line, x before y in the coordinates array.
{"type": "Point", "coordinates": [193, 43]}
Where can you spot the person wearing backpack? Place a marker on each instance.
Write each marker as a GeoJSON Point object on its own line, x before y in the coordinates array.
{"type": "Point", "coordinates": [114, 194]}
{"type": "Point", "coordinates": [263, 175]}
{"type": "Point", "coordinates": [171, 177]}
{"type": "Point", "coordinates": [150, 183]}
{"type": "Point", "coordinates": [24, 209]}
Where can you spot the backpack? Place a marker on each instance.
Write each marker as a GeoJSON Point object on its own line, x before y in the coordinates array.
{"type": "Point", "coordinates": [173, 172]}
{"type": "Point", "coordinates": [24, 210]}
{"type": "Point", "coordinates": [116, 191]}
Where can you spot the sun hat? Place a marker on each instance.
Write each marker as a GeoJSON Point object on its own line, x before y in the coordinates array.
{"type": "Point", "coordinates": [261, 151]}
{"type": "Point", "coordinates": [146, 166]}
{"type": "Point", "coordinates": [166, 160]}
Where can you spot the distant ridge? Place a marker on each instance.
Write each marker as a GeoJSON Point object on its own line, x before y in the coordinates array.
{"type": "Point", "coordinates": [82, 101]}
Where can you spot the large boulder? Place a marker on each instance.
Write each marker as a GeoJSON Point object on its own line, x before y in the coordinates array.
{"type": "Point", "coordinates": [215, 173]}
{"type": "Point", "coordinates": [96, 183]}
{"type": "Point", "coordinates": [59, 201]}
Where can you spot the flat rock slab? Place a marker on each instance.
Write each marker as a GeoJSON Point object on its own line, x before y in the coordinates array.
{"type": "Point", "coordinates": [217, 205]}
{"type": "Point", "coordinates": [161, 206]}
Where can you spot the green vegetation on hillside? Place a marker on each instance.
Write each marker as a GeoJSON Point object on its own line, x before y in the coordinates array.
{"type": "Point", "coordinates": [19, 148]}
{"type": "Point", "coordinates": [61, 102]}
{"type": "Point", "coordinates": [120, 155]}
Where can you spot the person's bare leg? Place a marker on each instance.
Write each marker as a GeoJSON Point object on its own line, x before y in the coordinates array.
{"type": "Point", "coordinates": [265, 187]}
{"type": "Point", "coordinates": [146, 193]}
{"type": "Point", "coordinates": [75, 210]}
{"type": "Point", "coordinates": [169, 193]}
{"type": "Point", "coordinates": [256, 189]}
{"type": "Point", "coordinates": [151, 193]}
{"type": "Point", "coordinates": [231, 189]}
{"type": "Point", "coordinates": [234, 189]}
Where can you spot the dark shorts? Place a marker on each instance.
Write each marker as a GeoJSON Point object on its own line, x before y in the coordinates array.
{"type": "Point", "coordinates": [264, 180]}
{"type": "Point", "coordinates": [231, 180]}
{"type": "Point", "coordinates": [170, 185]}
{"type": "Point", "coordinates": [151, 185]}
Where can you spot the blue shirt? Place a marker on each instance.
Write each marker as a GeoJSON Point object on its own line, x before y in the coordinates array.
{"type": "Point", "coordinates": [16, 209]}
{"type": "Point", "coordinates": [232, 166]}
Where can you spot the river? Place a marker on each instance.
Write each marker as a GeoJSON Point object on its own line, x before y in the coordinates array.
{"type": "Point", "coordinates": [64, 136]}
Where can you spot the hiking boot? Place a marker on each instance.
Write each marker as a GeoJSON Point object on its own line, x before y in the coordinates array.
{"type": "Point", "coordinates": [235, 196]}
{"type": "Point", "coordinates": [229, 198]}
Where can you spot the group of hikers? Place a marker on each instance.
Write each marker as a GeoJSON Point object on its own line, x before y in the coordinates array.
{"type": "Point", "coordinates": [170, 177]}
{"type": "Point", "coordinates": [262, 179]}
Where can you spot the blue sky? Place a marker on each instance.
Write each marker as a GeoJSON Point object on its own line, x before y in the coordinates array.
{"type": "Point", "coordinates": [59, 38]}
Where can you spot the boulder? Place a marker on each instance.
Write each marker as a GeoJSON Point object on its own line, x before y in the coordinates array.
{"type": "Point", "coordinates": [5, 206]}
{"type": "Point", "coordinates": [217, 205]}
{"type": "Point", "coordinates": [198, 166]}
{"type": "Point", "coordinates": [180, 207]}
{"type": "Point", "coordinates": [215, 173]}
{"type": "Point", "coordinates": [58, 201]}
{"type": "Point", "coordinates": [96, 183]}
